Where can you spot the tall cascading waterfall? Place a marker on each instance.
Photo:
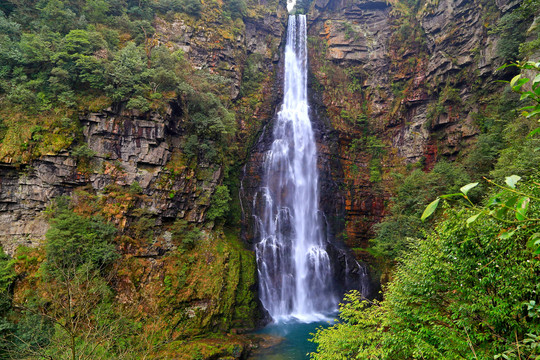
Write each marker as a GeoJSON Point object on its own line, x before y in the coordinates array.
{"type": "Point", "coordinates": [295, 272]}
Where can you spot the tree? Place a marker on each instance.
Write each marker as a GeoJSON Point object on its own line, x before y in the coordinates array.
{"type": "Point", "coordinates": [74, 241]}
{"type": "Point", "coordinates": [69, 313]}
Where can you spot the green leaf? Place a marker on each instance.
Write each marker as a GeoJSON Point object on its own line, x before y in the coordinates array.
{"type": "Point", "coordinates": [465, 189]}
{"type": "Point", "coordinates": [522, 206]}
{"type": "Point", "coordinates": [519, 84]}
{"type": "Point", "coordinates": [525, 95]}
{"type": "Point", "coordinates": [430, 209]}
{"type": "Point", "coordinates": [495, 200]}
{"type": "Point", "coordinates": [509, 204]}
{"type": "Point", "coordinates": [512, 180]}
{"type": "Point", "coordinates": [507, 234]}
{"type": "Point", "coordinates": [532, 113]}
{"type": "Point", "coordinates": [505, 66]}
{"type": "Point", "coordinates": [536, 79]}
{"type": "Point", "coordinates": [534, 132]}
{"type": "Point", "coordinates": [534, 241]}
{"type": "Point", "coordinates": [472, 219]}
{"type": "Point", "coordinates": [446, 196]}
{"type": "Point", "coordinates": [515, 79]}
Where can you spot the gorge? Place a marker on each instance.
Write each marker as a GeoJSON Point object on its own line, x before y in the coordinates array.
{"type": "Point", "coordinates": [209, 165]}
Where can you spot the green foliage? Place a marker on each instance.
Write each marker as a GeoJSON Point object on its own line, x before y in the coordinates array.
{"type": "Point", "coordinates": [74, 240]}
{"type": "Point", "coordinates": [355, 336]}
{"type": "Point", "coordinates": [144, 225]}
{"type": "Point", "coordinates": [512, 28]}
{"type": "Point", "coordinates": [468, 289]}
{"type": "Point", "coordinates": [509, 205]}
{"type": "Point", "coordinates": [135, 188]}
{"type": "Point", "coordinates": [211, 125]}
{"type": "Point", "coordinates": [458, 294]}
{"type": "Point", "coordinates": [220, 203]}
{"type": "Point", "coordinates": [395, 233]}
{"type": "Point", "coordinates": [236, 8]}
{"type": "Point", "coordinates": [185, 235]}
{"type": "Point", "coordinates": [191, 238]}
{"type": "Point", "coordinates": [128, 70]}
{"type": "Point", "coordinates": [252, 76]}
{"type": "Point", "coordinates": [83, 152]}
{"type": "Point", "coordinates": [523, 153]}
{"type": "Point", "coordinates": [348, 30]}
{"type": "Point", "coordinates": [25, 336]}
{"type": "Point", "coordinates": [192, 7]}
{"type": "Point", "coordinates": [67, 313]}
{"type": "Point", "coordinates": [481, 159]}
{"type": "Point", "coordinates": [7, 273]}
{"type": "Point", "coordinates": [67, 55]}
{"type": "Point", "coordinates": [7, 276]}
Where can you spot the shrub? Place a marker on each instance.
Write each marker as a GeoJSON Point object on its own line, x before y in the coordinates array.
{"type": "Point", "coordinates": [459, 293]}
{"type": "Point", "coordinates": [74, 240]}
{"type": "Point", "coordinates": [184, 235]}
{"type": "Point", "coordinates": [220, 203]}
{"type": "Point", "coordinates": [394, 235]}
{"type": "Point", "coordinates": [7, 276]}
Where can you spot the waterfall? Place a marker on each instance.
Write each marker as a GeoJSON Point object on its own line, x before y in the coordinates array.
{"type": "Point", "coordinates": [295, 273]}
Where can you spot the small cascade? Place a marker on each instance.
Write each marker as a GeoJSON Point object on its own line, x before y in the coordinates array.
{"type": "Point", "coordinates": [295, 271]}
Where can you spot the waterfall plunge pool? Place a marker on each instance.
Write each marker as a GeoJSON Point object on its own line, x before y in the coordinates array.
{"type": "Point", "coordinates": [294, 338]}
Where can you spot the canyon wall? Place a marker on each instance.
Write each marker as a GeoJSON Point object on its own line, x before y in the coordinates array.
{"type": "Point", "coordinates": [402, 84]}
{"type": "Point", "coordinates": [131, 168]}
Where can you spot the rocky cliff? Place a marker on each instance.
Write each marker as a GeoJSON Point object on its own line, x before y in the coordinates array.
{"type": "Point", "coordinates": [125, 147]}
{"type": "Point", "coordinates": [400, 82]}
{"type": "Point", "coordinates": [131, 168]}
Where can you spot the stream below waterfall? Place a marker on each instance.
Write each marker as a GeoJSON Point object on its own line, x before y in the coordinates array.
{"type": "Point", "coordinates": [294, 343]}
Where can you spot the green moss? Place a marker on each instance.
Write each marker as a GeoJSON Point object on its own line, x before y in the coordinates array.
{"type": "Point", "coordinates": [212, 347]}
{"type": "Point", "coordinates": [209, 288]}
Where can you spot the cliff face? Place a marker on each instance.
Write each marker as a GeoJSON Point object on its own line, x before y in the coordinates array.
{"type": "Point", "coordinates": [124, 147]}
{"type": "Point", "coordinates": [401, 85]}
{"type": "Point", "coordinates": [131, 168]}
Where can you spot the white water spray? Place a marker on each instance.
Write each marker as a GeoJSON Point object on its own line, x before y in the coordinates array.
{"type": "Point", "coordinates": [290, 5]}
{"type": "Point", "coordinates": [295, 272]}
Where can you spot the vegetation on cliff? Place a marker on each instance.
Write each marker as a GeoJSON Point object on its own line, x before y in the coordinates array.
{"type": "Point", "coordinates": [80, 297]}
{"type": "Point", "coordinates": [63, 58]}
{"type": "Point", "coordinates": [111, 281]}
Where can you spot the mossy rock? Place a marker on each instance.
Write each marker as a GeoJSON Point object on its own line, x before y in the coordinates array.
{"type": "Point", "coordinates": [209, 288]}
